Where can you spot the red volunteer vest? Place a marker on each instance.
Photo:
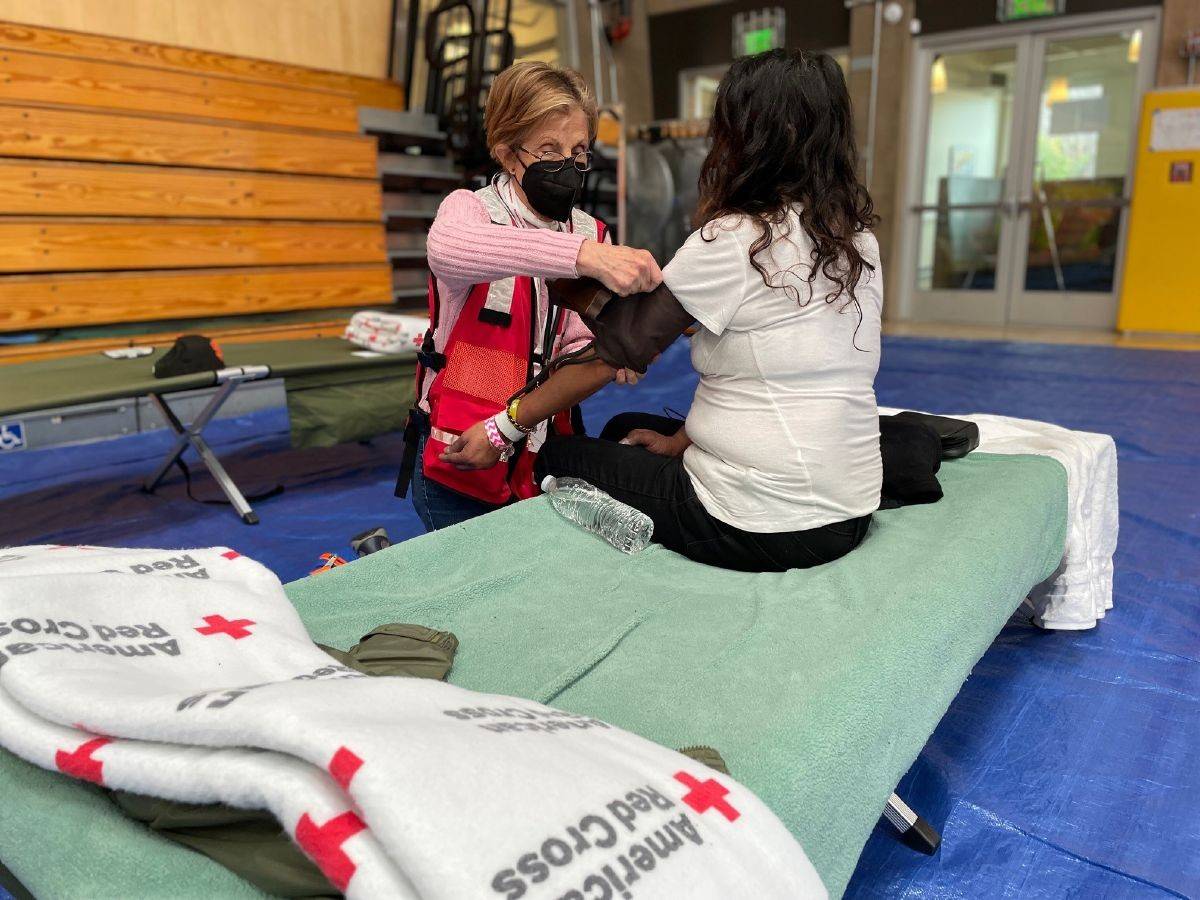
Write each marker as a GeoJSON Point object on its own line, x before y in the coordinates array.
{"type": "Point", "coordinates": [489, 356]}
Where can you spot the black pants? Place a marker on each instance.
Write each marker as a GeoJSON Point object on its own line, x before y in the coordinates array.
{"type": "Point", "coordinates": [661, 488]}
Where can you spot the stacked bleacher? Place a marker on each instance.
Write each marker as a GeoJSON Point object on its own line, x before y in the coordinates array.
{"type": "Point", "coordinates": [148, 190]}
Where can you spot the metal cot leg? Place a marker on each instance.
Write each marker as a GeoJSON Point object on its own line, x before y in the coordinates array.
{"type": "Point", "coordinates": [192, 435]}
{"type": "Point", "coordinates": [914, 830]}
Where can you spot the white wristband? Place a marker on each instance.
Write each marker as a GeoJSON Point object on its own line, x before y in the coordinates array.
{"type": "Point", "coordinates": [507, 428]}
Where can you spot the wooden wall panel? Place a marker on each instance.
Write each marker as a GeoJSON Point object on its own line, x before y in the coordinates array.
{"type": "Point", "coordinates": [88, 135]}
{"type": "Point", "coordinates": [142, 182]}
{"type": "Point", "coordinates": [39, 78]}
{"type": "Point", "coordinates": [366, 91]}
{"type": "Point", "coordinates": [95, 189]}
{"type": "Point", "coordinates": [332, 327]}
{"type": "Point", "coordinates": [62, 301]}
{"type": "Point", "coordinates": [340, 35]}
{"type": "Point", "coordinates": [47, 245]}
{"type": "Point", "coordinates": [344, 35]}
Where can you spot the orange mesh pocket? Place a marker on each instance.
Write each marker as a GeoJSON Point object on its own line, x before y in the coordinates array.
{"type": "Point", "coordinates": [493, 375]}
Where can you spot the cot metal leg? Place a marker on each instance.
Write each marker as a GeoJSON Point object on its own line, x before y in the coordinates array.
{"type": "Point", "coordinates": [914, 830]}
{"type": "Point", "coordinates": [191, 435]}
{"type": "Point", "coordinates": [9, 883]}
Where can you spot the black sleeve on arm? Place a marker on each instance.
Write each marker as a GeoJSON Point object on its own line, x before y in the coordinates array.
{"type": "Point", "coordinates": [629, 331]}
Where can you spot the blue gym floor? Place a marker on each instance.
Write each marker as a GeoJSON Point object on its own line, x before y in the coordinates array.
{"type": "Point", "coordinates": [1068, 766]}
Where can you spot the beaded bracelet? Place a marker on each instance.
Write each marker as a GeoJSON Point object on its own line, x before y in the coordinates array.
{"type": "Point", "coordinates": [511, 412]}
{"type": "Point", "coordinates": [497, 440]}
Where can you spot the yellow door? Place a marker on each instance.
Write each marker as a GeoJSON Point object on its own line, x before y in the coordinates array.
{"type": "Point", "coordinates": [1160, 290]}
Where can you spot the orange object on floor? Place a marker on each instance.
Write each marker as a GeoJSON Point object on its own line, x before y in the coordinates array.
{"type": "Point", "coordinates": [332, 561]}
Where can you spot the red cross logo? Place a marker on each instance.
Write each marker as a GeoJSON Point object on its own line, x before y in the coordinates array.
{"type": "Point", "coordinates": [344, 766]}
{"type": "Point", "coordinates": [705, 795]}
{"type": "Point", "coordinates": [323, 844]}
{"type": "Point", "coordinates": [220, 625]}
{"type": "Point", "coordinates": [79, 763]}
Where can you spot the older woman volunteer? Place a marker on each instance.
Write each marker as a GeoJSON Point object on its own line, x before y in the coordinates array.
{"type": "Point", "coordinates": [492, 326]}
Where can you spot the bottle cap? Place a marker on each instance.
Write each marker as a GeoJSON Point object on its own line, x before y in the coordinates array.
{"type": "Point", "coordinates": [549, 484]}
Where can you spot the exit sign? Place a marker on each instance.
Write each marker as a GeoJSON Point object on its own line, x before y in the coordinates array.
{"type": "Point", "coordinates": [1015, 10]}
{"type": "Point", "coordinates": [758, 31]}
{"type": "Point", "coordinates": [758, 41]}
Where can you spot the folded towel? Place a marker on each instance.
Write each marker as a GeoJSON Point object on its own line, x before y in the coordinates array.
{"type": "Point", "coordinates": [462, 793]}
{"type": "Point", "coordinates": [386, 332]}
{"type": "Point", "coordinates": [1079, 593]}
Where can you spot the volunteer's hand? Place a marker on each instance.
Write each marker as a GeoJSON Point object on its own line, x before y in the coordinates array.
{"type": "Point", "coordinates": [472, 450]}
{"type": "Point", "coordinates": [623, 270]}
{"type": "Point", "coordinates": [659, 443]}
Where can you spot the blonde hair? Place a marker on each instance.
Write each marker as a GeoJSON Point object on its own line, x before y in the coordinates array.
{"type": "Point", "coordinates": [526, 94]}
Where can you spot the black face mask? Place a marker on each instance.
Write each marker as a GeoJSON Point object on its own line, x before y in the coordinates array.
{"type": "Point", "coordinates": [551, 193]}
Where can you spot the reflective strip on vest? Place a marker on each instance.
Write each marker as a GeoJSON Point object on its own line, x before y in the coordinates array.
{"type": "Point", "coordinates": [500, 293]}
{"type": "Point", "coordinates": [582, 223]}
{"type": "Point", "coordinates": [444, 437]}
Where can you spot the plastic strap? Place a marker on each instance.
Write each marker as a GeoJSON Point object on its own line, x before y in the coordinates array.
{"type": "Point", "coordinates": [417, 424]}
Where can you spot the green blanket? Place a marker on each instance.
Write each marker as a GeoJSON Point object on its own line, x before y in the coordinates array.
{"type": "Point", "coordinates": [819, 687]}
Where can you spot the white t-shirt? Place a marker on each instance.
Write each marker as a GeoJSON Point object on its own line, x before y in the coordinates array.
{"type": "Point", "coordinates": [784, 424]}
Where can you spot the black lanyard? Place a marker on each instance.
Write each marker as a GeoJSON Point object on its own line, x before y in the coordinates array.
{"type": "Point", "coordinates": [554, 316]}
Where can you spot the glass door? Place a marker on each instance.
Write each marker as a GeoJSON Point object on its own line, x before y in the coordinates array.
{"type": "Point", "coordinates": [962, 221]}
{"type": "Point", "coordinates": [1023, 174]}
{"type": "Point", "coordinates": [1076, 183]}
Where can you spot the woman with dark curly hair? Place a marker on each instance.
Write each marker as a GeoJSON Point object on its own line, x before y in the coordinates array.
{"type": "Point", "coordinates": [778, 464]}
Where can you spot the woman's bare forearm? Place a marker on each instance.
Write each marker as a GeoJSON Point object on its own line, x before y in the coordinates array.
{"type": "Point", "coordinates": [566, 387]}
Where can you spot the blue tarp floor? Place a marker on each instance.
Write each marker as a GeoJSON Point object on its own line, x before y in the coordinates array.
{"type": "Point", "coordinates": [1068, 766]}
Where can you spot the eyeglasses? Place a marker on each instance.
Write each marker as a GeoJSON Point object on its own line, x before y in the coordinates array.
{"type": "Point", "coordinates": [582, 160]}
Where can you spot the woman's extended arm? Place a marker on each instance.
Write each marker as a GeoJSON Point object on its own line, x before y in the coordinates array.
{"type": "Point", "coordinates": [465, 247]}
{"type": "Point", "coordinates": [566, 387]}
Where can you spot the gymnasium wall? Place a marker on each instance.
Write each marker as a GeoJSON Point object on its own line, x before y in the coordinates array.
{"type": "Point", "coordinates": [703, 36]}
{"type": "Point", "coordinates": [342, 35]}
{"type": "Point", "coordinates": [142, 183]}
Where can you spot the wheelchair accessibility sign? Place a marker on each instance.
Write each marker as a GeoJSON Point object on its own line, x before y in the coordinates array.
{"type": "Point", "coordinates": [12, 436]}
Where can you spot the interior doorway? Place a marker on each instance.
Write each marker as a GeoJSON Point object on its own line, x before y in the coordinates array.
{"type": "Point", "coordinates": [1023, 141]}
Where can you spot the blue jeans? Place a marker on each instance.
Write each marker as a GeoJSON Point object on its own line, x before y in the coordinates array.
{"type": "Point", "coordinates": [437, 505]}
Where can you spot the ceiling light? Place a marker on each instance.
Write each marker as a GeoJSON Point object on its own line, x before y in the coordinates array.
{"type": "Point", "coordinates": [1135, 46]}
{"type": "Point", "coordinates": [938, 80]}
{"type": "Point", "coordinates": [1059, 90]}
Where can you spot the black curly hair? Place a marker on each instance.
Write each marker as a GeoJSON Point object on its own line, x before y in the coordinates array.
{"type": "Point", "coordinates": [782, 137]}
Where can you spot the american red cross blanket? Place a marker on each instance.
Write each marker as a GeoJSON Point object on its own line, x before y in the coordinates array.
{"type": "Point", "coordinates": [186, 674]}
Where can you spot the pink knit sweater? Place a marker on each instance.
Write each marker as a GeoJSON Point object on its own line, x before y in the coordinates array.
{"type": "Point", "coordinates": [466, 248]}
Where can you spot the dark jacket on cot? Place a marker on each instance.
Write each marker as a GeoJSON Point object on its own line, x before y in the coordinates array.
{"type": "Point", "coordinates": [912, 446]}
{"type": "Point", "coordinates": [912, 455]}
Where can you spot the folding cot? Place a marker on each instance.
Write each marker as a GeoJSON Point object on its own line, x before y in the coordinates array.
{"type": "Point", "coordinates": [819, 687]}
{"type": "Point", "coordinates": [75, 380]}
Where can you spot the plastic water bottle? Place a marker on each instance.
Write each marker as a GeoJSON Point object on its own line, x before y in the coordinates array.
{"type": "Point", "coordinates": [627, 529]}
